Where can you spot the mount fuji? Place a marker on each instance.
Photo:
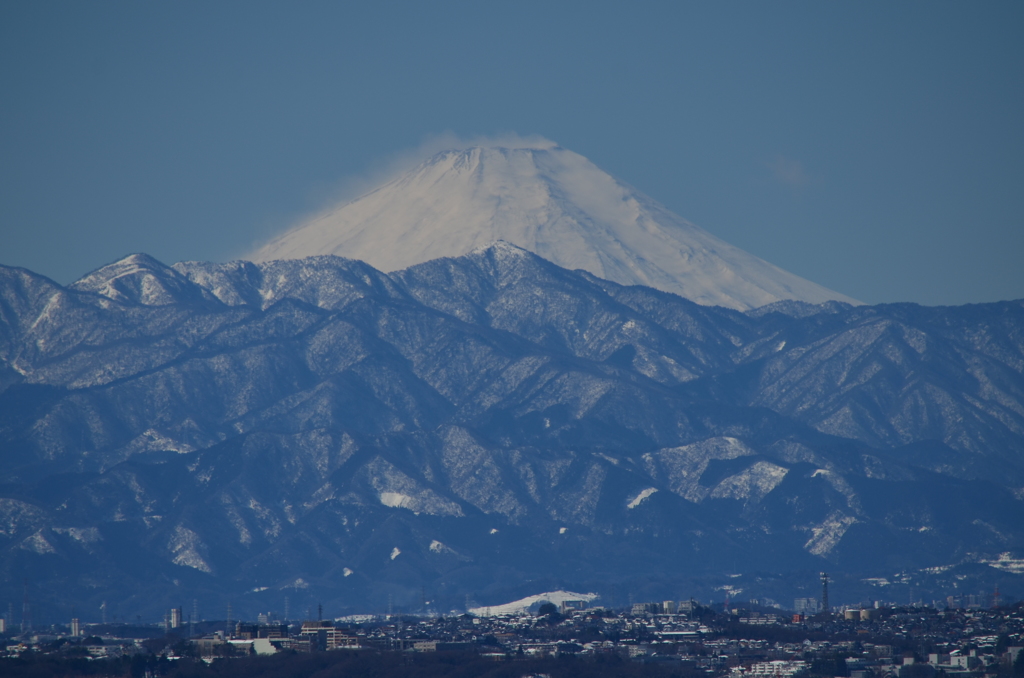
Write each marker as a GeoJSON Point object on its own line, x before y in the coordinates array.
{"type": "Point", "coordinates": [550, 201]}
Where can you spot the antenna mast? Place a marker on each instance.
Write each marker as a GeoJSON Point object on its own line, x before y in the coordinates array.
{"type": "Point", "coordinates": [26, 611]}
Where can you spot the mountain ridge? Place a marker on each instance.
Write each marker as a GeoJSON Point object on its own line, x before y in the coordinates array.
{"type": "Point", "coordinates": [278, 425]}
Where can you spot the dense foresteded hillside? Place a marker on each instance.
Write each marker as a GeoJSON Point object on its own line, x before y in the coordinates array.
{"type": "Point", "coordinates": [320, 430]}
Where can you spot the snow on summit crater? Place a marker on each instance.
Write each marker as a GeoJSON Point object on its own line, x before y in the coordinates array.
{"type": "Point", "coordinates": [552, 202]}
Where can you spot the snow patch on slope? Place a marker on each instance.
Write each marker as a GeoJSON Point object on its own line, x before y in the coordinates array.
{"type": "Point", "coordinates": [682, 467]}
{"type": "Point", "coordinates": [83, 535]}
{"type": "Point", "coordinates": [827, 534]}
{"type": "Point", "coordinates": [1006, 562]}
{"type": "Point", "coordinates": [37, 543]}
{"type": "Point", "coordinates": [638, 499]}
{"type": "Point", "coordinates": [397, 490]}
{"type": "Point", "coordinates": [752, 484]}
{"type": "Point", "coordinates": [188, 549]}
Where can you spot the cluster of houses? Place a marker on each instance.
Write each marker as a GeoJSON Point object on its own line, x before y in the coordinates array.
{"type": "Point", "coordinates": [873, 642]}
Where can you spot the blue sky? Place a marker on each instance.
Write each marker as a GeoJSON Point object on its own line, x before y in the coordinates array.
{"type": "Point", "coordinates": [876, 148]}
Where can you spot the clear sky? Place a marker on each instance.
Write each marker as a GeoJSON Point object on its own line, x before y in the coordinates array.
{"type": "Point", "coordinates": [876, 148]}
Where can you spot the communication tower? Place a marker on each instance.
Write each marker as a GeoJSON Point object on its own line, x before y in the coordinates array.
{"type": "Point", "coordinates": [26, 611]}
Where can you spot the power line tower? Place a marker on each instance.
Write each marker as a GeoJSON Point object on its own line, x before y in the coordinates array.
{"type": "Point", "coordinates": [227, 630]}
{"type": "Point", "coordinates": [26, 611]}
{"type": "Point", "coordinates": [825, 609]}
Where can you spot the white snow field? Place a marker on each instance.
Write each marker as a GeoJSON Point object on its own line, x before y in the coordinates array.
{"type": "Point", "coordinates": [552, 202]}
{"type": "Point", "coordinates": [523, 605]}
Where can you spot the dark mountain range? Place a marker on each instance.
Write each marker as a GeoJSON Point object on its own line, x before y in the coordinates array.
{"type": "Point", "coordinates": [488, 426]}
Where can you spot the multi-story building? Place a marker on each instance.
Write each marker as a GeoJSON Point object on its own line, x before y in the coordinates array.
{"type": "Point", "coordinates": [779, 668]}
{"type": "Point", "coordinates": [323, 636]}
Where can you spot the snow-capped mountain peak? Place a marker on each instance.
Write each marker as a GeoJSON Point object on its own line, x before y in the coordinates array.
{"type": "Point", "coordinates": [550, 201]}
{"type": "Point", "coordinates": [139, 278]}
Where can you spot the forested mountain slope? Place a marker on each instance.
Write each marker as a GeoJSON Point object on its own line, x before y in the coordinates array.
{"type": "Point", "coordinates": [316, 427]}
